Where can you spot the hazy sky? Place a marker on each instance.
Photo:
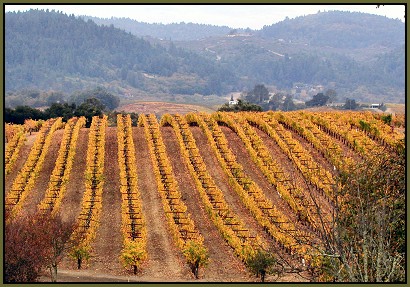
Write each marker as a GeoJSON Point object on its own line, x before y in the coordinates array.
{"type": "Point", "coordinates": [234, 16]}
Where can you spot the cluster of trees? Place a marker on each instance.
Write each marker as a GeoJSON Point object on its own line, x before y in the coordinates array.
{"type": "Point", "coordinates": [261, 96]}
{"type": "Point", "coordinates": [89, 108]}
{"type": "Point", "coordinates": [241, 106]}
{"type": "Point", "coordinates": [38, 99]}
{"type": "Point", "coordinates": [84, 103]}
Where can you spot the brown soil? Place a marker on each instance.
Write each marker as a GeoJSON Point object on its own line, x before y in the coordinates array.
{"type": "Point", "coordinates": [223, 265]}
{"type": "Point", "coordinates": [108, 243]}
{"type": "Point", "coordinates": [161, 108]}
{"type": "Point", "coordinates": [71, 202]}
{"type": "Point", "coordinates": [165, 261]}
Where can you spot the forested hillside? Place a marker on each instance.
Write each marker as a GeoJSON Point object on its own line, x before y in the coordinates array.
{"type": "Point", "coordinates": [175, 31]}
{"type": "Point", "coordinates": [340, 30]}
{"type": "Point", "coordinates": [51, 49]}
{"type": "Point", "coordinates": [361, 56]}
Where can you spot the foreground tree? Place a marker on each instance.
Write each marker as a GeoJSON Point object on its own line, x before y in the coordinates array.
{"type": "Point", "coordinates": [368, 241]}
{"type": "Point", "coordinates": [24, 250]}
{"type": "Point", "coordinates": [262, 263]}
{"type": "Point", "coordinates": [59, 241]}
{"type": "Point", "coordinates": [32, 244]}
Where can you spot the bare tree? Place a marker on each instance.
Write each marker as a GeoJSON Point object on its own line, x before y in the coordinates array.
{"type": "Point", "coordinates": [367, 242]}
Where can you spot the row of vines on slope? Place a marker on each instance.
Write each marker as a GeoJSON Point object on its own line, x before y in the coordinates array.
{"type": "Point", "coordinates": [15, 141]}
{"type": "Point", "coordinates": [318, 176]}
{"type": "Point", "coordinates": [274, 221]}
{"type": "Point", "coordinates": [183, 229]}
{"type": "Point", "coordinates": [356, 139]}
{"type": "Point", "coordinates": [91, 206]}
{"type": "Point", "coordinates": [25, 179]}
{"type": "Point", "coordinates": [300, 123]}
{"type": "Point", "coordinates": [234, 231]}
{"type": "Point", "coordinates": [291, 193]}
{"type": "Point", "coordinates": [63, 165]}
{"type": "Point", "coordinates": [133, 225]}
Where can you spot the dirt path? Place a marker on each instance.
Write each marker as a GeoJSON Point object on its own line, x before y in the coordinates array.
{"type": "Point", "coordinates": [71, 203]}
{"type": "Point", "coordinates": [108, 242]}
{"type": "Point", "coordinates": [20, 161]}
{"type": "Point", "coordinates": [223, 265]}
{"type": "Point", "coordinates": [165, 262]}
{"type": "Point", "coordinates": [35, 195]}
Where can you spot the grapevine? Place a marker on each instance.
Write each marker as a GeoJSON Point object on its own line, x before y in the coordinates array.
{"type": "Point", "coordinates": [183, 228]}
{"type": "Point", "coordinates": [25, 179]}
{"type": "Point", "coordinates": [133, 225]}
{"type": "Point", "coordinates": [340, 126]}
{"type": "Point", "coordinates": [88, 220]}
{"type": "Point", "coordinates": [277, 224]}
{"type": "Point", "coordinates": [63, 165]}
{"type": "Point", "coordinates": [311, 170]}
{"type": "Point", "coordinates": [234, 231]}
{"type": "Point", "coordinates": [16, 139]}
{"type": "Point", "coordinates": [300, 123]}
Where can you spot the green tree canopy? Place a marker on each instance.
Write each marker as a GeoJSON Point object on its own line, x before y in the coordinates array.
{"type": "Point", "coordinates": [88, 109]}
{"type": "Point", "coordinates": [258, 95]}
{"type": "Point", "coordinates": [108, 100]}
{"type": "Point", "coordinates": [318, 100]}
{"type": "Point", "coordinates": [350, 104]}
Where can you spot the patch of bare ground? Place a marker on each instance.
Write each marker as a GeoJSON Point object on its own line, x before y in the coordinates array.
{"type": "Point", "coordinates": [161, 108]}
{"type": "Point", "coordinates": [21, 160]}
{"type": "Point", "coordinates": [165, 262]}
{"type": "Point", "coordinates": [35, 195]}
{"type": "Point", "coordinates": [223, 265]}
{"type": "Point", "coordinates": [108, 242]}
{"type": "Point", "coordinates": [71, 202]}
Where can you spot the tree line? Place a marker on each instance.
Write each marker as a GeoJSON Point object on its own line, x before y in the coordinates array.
{"type": "Point", "coordinates": [260, 99]}
{"type": "Point", "coordinates": [84, 103]}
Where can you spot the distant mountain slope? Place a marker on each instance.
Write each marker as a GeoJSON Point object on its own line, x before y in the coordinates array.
{"type": "Point", "coordinates": [53, 51]}
{"type": "Point", "coordinates": [340, 30]}
{"type": "Point", "coordinates": [47, 49]}
{"type": "Point", "coordinates": [175, 31]}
